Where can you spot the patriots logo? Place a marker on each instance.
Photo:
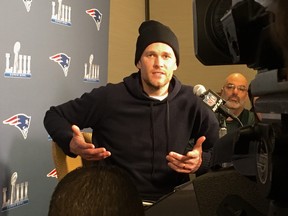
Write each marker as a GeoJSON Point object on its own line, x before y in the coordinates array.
{"type": "Point", "coordinates": [53, 173]}
{"type": "Point", "coordinates": [20, 121]}
{"type": "Point", "coordinates": [96, 15]}
{"type": "Point", "coordinates": [63, 60]}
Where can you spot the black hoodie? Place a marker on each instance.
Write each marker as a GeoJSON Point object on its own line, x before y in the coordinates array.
{"type": "Point", "coordinates": [139, 131]}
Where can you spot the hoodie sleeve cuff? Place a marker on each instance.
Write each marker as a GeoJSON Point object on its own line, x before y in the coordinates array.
{"type": "Point", "coordinates": [205, 166]}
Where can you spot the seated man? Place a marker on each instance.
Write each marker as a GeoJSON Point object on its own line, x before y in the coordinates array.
{"type": "Point", "coordinates": [144, 124]}
{"type": "Point", "coordinates": [235, 93]}
{"type": "Point", "coordinates": [97, 190]}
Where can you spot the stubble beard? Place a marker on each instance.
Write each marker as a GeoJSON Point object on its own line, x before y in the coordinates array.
{"type": "Point", "coordinates": [155, 86]}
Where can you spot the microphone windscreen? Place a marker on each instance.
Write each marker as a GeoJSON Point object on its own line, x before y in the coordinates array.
{"type": "Point", "coordinates": [199, 90]}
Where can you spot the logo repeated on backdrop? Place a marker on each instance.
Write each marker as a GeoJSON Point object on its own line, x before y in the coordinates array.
{"type": "Point", "coordinates": [18, 194]}
{"type": "Point", "coordinates": [61, 14]}
{"type": "Point", "coordinates": [63, 60]}
{"type": "Point", "coordinates": [20, 60]}
{"type": "Point", "coordinates": [21, 64]}
{"type": "Point", "coordinates": [20, 121]}
{"type": "Point", "coordinates": [96, 15]}
{"type": "Point", "coordinates": [91, 73]}
{"type": "Point", "coordinates": [27, 4]}
{"type": "Point", "coordinates": [53, 173]}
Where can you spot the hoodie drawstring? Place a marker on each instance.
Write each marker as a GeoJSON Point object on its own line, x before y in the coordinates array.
{"type": "Point", "coordinates": [167, 126]}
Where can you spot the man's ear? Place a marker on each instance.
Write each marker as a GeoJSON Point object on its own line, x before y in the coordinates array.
{"type": "Point", "coordinates": [175, 67]}
{"type": "Point", "coordinates": [138, 65]}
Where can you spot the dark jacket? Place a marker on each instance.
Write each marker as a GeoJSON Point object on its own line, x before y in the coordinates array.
{"type": "Point", "coordinates": [246, 117]}
{"type": "Point", "coordinates": [138, 131]}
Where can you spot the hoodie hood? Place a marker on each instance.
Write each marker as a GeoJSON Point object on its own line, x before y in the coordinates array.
{"type": "Point", "coordinates": [134, 86]}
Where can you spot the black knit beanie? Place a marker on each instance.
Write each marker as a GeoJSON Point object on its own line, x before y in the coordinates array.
{"type": "Point", "coordinates": [151, 32]}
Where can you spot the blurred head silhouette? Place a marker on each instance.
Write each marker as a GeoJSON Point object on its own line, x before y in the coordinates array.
{"type": "Point", "coordinates": [97, 190]}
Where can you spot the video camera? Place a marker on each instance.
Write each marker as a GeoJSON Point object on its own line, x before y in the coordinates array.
{"type": "Point", "coordinates": [243, 32]}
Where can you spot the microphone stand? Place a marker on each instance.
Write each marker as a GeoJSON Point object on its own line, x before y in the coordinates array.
{"type": "Point", "coordinates": [223, 132]}
{"type": "Point", "coordinates": [238, 120]}
{"type": "Point", "coordinates": [223, 126]}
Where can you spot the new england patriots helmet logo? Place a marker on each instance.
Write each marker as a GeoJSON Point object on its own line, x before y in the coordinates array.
{"type": "Point", "coordinates": [63, 60]}
{"type": "Point", "coordinates": [20, 121]}
{"type": "Point", "coordinates": [96, 15]}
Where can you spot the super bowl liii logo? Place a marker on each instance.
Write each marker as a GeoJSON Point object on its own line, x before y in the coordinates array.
{"type": "Point", "coordinates": [61, 14]}
{"type": "Point", "coordinates": [91, 73]}
{"type": "Point", "coordinates": [27, 4]}
{"type": "Point", "coordinates": [21, 64]}
{"type": "Point", "coordinates": [18, 194]}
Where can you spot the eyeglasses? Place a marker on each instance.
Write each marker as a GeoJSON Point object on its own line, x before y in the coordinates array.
{"type": "Point", "coordinates": [230, 87]}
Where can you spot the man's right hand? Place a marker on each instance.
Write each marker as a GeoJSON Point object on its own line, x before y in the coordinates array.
{"type": "Point", "coordinates": [86, 150]}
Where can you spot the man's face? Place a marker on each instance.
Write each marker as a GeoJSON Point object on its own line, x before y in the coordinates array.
{"type": "Point", "coordinates": [235, 92]}
{"type": "Point", "coordinates": [157, 64]}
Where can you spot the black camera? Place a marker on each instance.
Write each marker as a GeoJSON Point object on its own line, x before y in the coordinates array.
{"type": "Point", "coordinates": [242, 32]}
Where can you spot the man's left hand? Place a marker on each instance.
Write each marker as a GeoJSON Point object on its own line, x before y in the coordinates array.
{"type": "Point", "coordinates": [188, 163]}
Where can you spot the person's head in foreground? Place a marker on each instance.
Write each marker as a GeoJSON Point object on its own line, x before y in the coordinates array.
{"type": "Point", "coordinates": [96, 191]}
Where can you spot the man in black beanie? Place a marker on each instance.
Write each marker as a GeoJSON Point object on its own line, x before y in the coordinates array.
{"type": "Point", "coordinates": [150, 124]}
